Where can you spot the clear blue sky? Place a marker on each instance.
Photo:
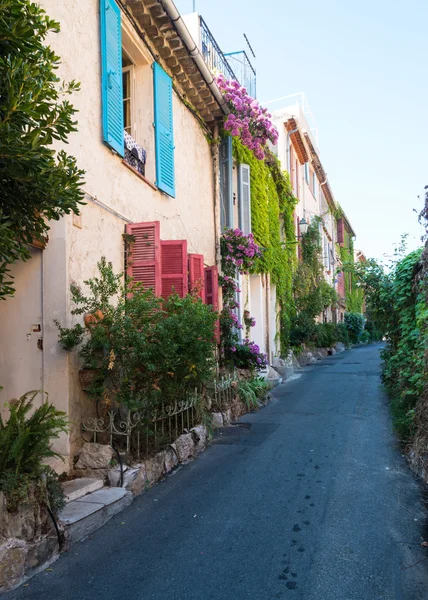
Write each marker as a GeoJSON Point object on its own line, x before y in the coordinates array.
{"type": "Point", "coordinates": [364, 69]}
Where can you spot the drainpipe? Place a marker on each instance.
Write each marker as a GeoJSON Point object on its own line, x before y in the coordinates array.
{"type": "Point", "coordinates": [216, 194]}
{"type": "Point", "coordinates": [194, 51]}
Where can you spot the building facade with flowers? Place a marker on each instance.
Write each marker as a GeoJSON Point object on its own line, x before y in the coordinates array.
{"type": "Point", "coordinates": [178, 155]}
{"type": "Point", "coordinates": [298, 153]}
{"type": "Point", "coordinates": [148, 111]}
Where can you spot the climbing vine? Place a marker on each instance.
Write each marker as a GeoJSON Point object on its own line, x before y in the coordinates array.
{"type": "Point", "coordinates": [312, 294]}
{"type": "Point", "coordinates": [272, 208]}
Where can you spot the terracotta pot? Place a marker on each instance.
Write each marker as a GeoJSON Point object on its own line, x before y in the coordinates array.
{"type": "Point", "coordinates": [93, 318]}
{"type": "Point", "coordinates": [87, 378]}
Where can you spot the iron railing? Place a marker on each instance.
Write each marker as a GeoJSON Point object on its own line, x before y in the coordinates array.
{"type": "Point", "coordinates": [213, 56]}
{"type": "Point", "coordinates": [222, 391]}
{"type": "Point", "coordinates": [244, 70]}
{"type": "Point", "coordinates": [144, 432]}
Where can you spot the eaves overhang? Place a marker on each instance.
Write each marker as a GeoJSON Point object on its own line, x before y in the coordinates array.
{"type": "Point", "coordinates": [296, 138]}
{"type": "Point", "coordinates": [179, 58]}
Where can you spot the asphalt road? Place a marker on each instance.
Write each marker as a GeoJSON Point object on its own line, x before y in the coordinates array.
{"type": "Point", "coordinates": [311, 500]}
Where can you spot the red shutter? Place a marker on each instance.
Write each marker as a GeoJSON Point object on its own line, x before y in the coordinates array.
{"type": "Point", "coordinates": [174, 267]}
{"type": "Point", "coordinates": [196, 274]}
{"type": "Point", "coordinates": [340, 231]}
{"type": "Point", "coordinates": [144, 257]}
{"type": "Point", "coordinates": [211, 294]}
{"type": "Point", "coordinates": [211, 286]}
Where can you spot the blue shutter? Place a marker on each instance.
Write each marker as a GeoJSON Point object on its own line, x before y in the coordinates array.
{"type": "Point", "coordinates": [164, 131]}
{"type": "Point", "coordinates": [112, 94]}
{"type": "Point", "coordinates": [226, 183]}
{"type": "Point", "coordinates": [244, 198]}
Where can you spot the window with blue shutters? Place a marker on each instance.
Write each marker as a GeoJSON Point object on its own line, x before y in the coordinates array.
{"type": "Point", "coordinates": [226, 183]}
{"type": "Point", "coordinates": [244, 198]}
{"type": "Point", "coordinates": [112, 94]}
{"type": "Point", "coordinates": [164, 131]}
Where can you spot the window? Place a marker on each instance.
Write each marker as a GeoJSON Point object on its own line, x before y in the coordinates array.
{"type": "Point", "coordinates": [296, 171]}
{"type": "Point", "coordinates": [307, 173]}
{"type": "Point", "coordinates": [244, 198]}
{"type": "Point", "coordinates": [226, 183]}
{"type": "Point", "coordinates": [314, 185]}
{"type": "Point", "coordinates": [127, 86]}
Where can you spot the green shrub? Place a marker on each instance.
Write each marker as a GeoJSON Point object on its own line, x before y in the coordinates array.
{"type": "Point", "coordinates": [326, 335]}
{"type": "Point", "coordinates": [355, 324]}
{"type": "Point", "coordinates": [25, 442]}
{"type": "Point", "coordinates": [251, 391]}
{"type": "Point", "coordinates": [147, 350]}
{"type": "Point", "coordinates": [342, 333]}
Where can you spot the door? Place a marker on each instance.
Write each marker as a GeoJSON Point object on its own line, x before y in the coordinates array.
{"type": "Point", "coordinates": [21, 331]}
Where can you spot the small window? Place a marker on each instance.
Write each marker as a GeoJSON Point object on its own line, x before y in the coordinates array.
{"type": "Point", "coordinates": [127, 81]}
{"type": "Point", "coordinates": [307, 172]}
{"type": "Point", "coordinates": [314, 185]}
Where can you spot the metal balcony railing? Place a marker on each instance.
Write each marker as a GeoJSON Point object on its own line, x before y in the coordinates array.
{"type": "Point", "coordinates": [244, 70]}
{"type": "Point", "coordinates": [213, 56]}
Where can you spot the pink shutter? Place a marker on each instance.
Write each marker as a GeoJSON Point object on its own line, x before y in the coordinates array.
{"type": "Point", "coordinates": [211, 286]}
{"type": "Point", "coordinates": [211, 294]}
{"type": "Point", "coordinates": [174, 267]}
{"type": "Point", "coordinates": [340, 231]}
{"type": "Point", "coordinates": [196, 274]}
{"type": "Point", "coordinates": [144, 257]}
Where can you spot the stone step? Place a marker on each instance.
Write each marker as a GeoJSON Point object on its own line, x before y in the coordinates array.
{"type": "Point", "coordinates": [83, 516]}
{"type": "Point", "coordinates": [76, 488]}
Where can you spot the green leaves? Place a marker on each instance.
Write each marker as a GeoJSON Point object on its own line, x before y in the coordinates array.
{"type": "Point", "coordinates": [38, 184]}
{"type": "Point", "coordinates": [25, 441]}
{"type": "Point", "coordinates": [147, 350]}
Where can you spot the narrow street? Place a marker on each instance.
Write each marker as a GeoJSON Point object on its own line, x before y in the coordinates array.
{"type": "Point", "coordinates": [311, 500]}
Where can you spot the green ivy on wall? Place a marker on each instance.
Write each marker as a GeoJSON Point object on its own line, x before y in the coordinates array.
{"type": "Point", "coordinates": [272, 208]}
{"type": "Point", "coordinates": [354, 294]}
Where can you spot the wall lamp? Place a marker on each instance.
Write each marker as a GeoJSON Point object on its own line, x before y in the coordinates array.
{"type": "Point", "coordinates": [303, 227]}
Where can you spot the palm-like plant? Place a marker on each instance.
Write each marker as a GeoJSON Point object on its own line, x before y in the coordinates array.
{"type": "Point", "coordinates": [25, 438]}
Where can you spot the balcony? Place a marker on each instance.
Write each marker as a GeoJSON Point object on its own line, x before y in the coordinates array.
{"type": "Point", "coordinates": [233, 65]}
{"type": "Point", "coordinates": [244, 70]}
{"type": "Point", "coordinates": [213, 56]}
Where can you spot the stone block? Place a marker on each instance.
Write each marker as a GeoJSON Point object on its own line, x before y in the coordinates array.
{"type": "Point", "coordinates": [227, 417]}
{"type": "Point", "coordinates": [13, 555]}
{"type": "Point", "coordinates": [139, 483]}
{"type": "Point", "coordinates": [76, 488]}
{"type": "Point", "coordinates": [82, 517]}
{"type": "Point", "coordinates": [340, 347]}
{"type": "Point", "coordinates": [94, 456]}
{"type": "Point", "coordinates": [217, 420]}
{"type": "Point", "coordinates": [200, 437]}
{"type": "Point", "coordinates": [155, 468]}
{"type": "Point", "coordinates": [185, 446]}
{"type": "Point", "coordinates": [171, 458]}
{"type": "Point", "coordinates": [41, 552]}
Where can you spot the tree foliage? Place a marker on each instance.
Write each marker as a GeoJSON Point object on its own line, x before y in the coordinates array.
{"type": "Point", "coordinates": [38, 184]}
{"type": "Point", "coordinates": [312, 294]}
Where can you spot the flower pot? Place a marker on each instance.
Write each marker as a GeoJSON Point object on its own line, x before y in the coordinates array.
{"type": "Point", "coordinates": [93, 318]}
{"type": "Point", "coordinates": [87, 378]}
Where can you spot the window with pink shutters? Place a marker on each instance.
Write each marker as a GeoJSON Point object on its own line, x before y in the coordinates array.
{"type": "Point", "coordinates": [145, 252]}
{"type": "Point", "coordinates": [196, 274]}
{"type": "Point", "coordinates": [174, 267]}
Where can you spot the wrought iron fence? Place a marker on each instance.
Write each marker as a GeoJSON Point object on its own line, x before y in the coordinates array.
{"type": "Point", "coordinates": [222, 391]}
{"type": "Point", "coordinates": [213, 56]}
{"type": "Point", "coordinates": [144, 432]}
